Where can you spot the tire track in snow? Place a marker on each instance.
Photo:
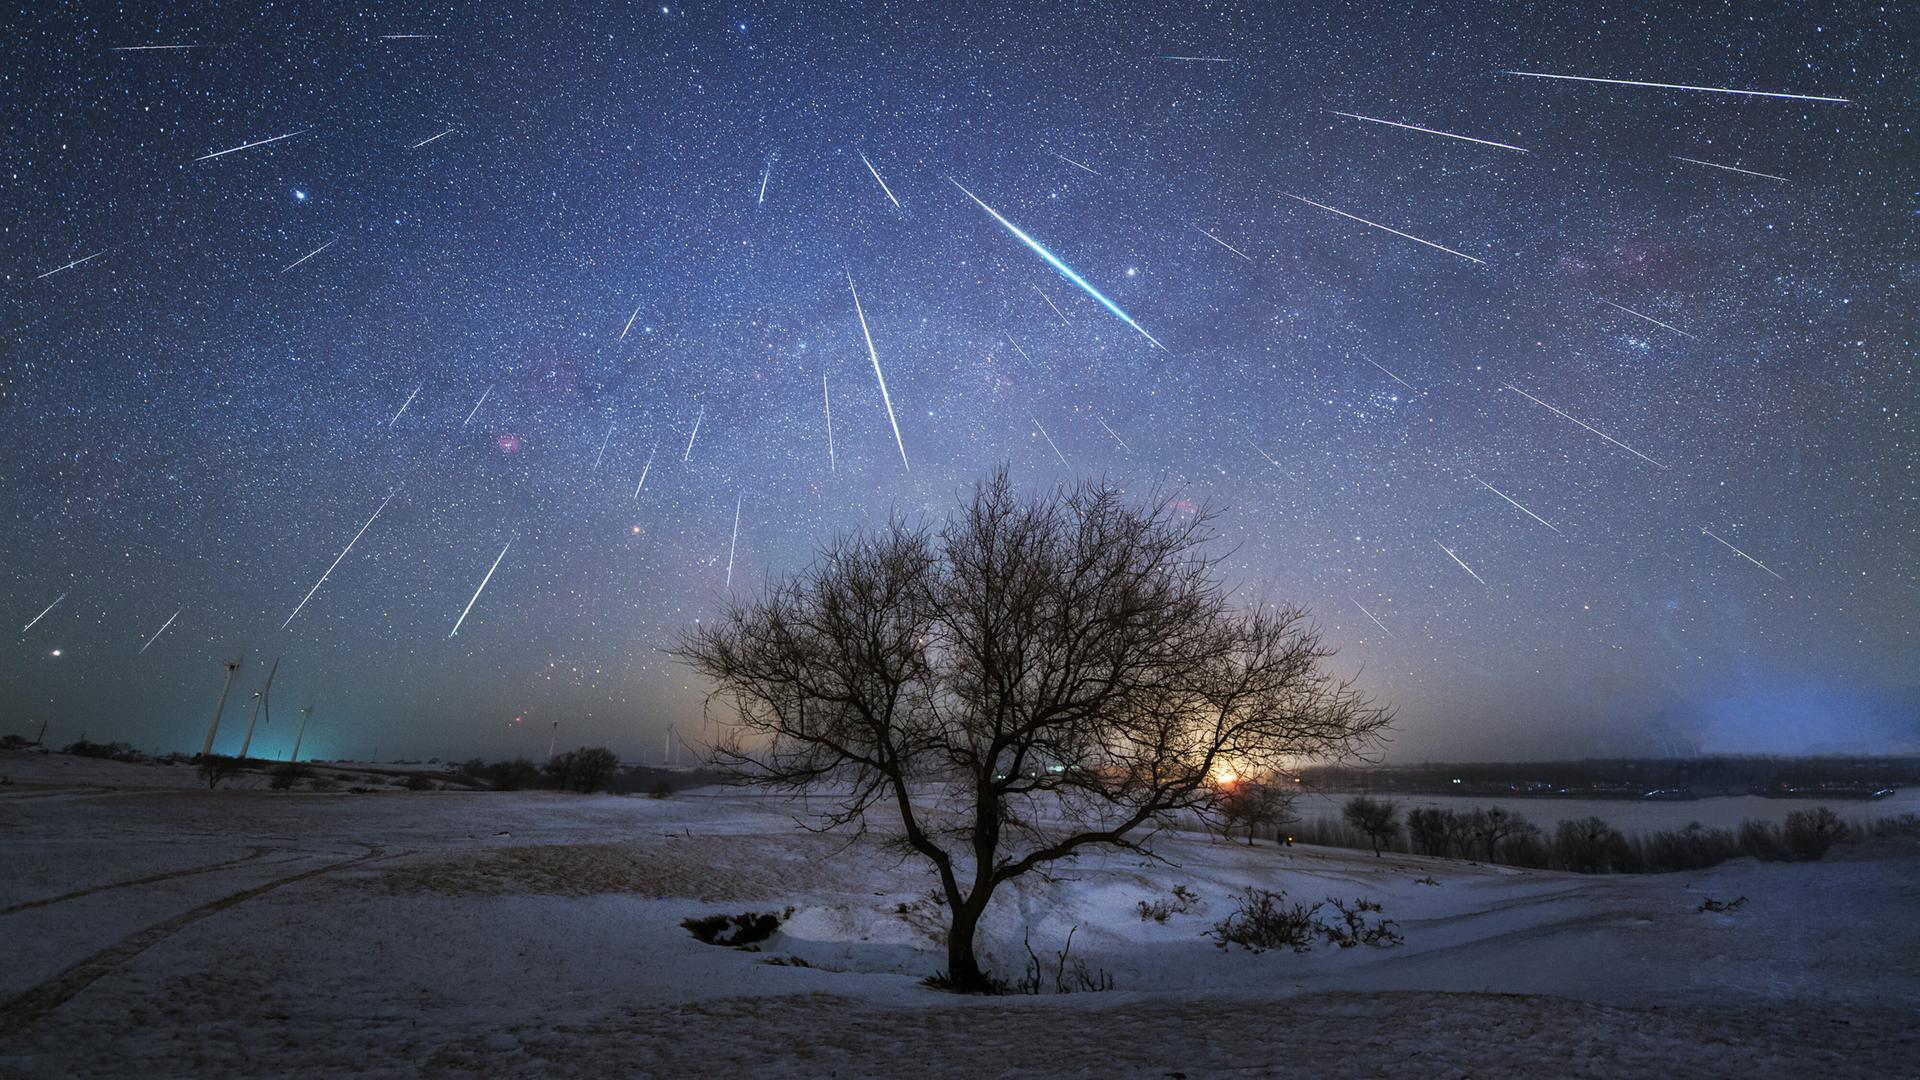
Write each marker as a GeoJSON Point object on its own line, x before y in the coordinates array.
{"type": "Point", "coordinates": [28, 905]}
{"type": "Point", "coordinates": [21, 1011]}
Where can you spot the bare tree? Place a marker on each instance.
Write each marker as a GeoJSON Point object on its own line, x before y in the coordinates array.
{"type": "Point", "coordinates": [1038, 678]}
{"type": "Point", "coordinates": [1378, 818]}
{"type": "Point", "coordinates": [1254, 802]}
{"type": "Point", "coordinates": [1495, 824]}
{"type": "Point", "coordinates": [1429, 829]}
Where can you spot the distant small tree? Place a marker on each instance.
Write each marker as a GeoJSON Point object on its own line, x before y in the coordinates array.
{"type": "Point", "coordinates": [1429, 829]}
{"type": "Point", "coordinates": [1254, 803]}
{"type": "Point", "coordinates": [1378, 818]}
{"type": "Point", "coordinates": [1495, 825]}
{"type": "Point", "coordinates": [1809, 833]}
{"type": "Point", "coordinates": [217, 767]}
{"type": "Point", "coordinates": [1589, 846]}
{"type": "Point", "coordinates": [592, 767]}
{"type": "Point", "coordinates": [510, 775]}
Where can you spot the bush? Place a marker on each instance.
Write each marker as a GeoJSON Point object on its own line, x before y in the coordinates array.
{"type": "Point", "coordinates": [1762, 840]}
{"type": "Point", "coordinates": [1354, 929]}
{"type": "Point", "coordinates": [508, 775]}
{"type": "Point", "coordinates": [217, 767]}
{"type": "Point", "coordinates": [1695, 847]}
{"type": "Point", "coordinates": [735, 931]}
{"type": "Point", "coordinates": [585, 770]}
{"type": "Point", "coordinates": [1261, 921]}
{"type": "Point", "coordinates": [417, 782]}
{"type": "Point", "coordinates": [660, 790]}
{"type": "Point", "coordinates": [116, 751]}
{"type": "Point", "coordinates": [1810, 833]}
{"type": "Point", "coordinates": [1590, 846]}
{"type": "Point", "coordinates": [283, 776]}
{"type": "Point", "coordinates": [1183, 901]}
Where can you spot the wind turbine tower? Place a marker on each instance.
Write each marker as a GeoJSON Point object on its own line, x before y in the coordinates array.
{"type": "Point", "coordinates": [232, 666]}
{"type": "Point", "coordinates": [260, 697]}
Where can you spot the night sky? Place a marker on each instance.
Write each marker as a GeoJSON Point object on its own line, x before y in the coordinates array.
{"type": "Point", "coordinates": [613, 223]}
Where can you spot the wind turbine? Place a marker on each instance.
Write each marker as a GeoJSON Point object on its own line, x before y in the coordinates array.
{"type": "Point", "coordinates": [232, 666]}
{"type": "Point", "coordinates": [305, 714]}
{"type": "Point", "coordinates": [259, 702]}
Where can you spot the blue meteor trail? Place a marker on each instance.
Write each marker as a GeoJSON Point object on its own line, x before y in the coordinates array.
{"type": "Point", "coordinates": [1054, 261]}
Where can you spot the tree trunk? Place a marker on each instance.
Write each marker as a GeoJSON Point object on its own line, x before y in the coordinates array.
{"type": "Point", "coordinates": [963, 971]}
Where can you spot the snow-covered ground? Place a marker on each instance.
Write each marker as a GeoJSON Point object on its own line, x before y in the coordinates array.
{"type": "Point", "coordinates": [168, 931]}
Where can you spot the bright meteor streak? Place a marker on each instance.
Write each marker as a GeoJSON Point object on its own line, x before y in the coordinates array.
{"type": "Point", "coordinates": [157, 633]}
{"type": "Point", "coordinates": [1648, 318]}
{"type": "Point", "coordinates": [403, 407]}
{"type": "Point", "coordinates": [309, 254]}
{"type": "Point", "coordinates": [1740, 553]}
{"type": "Point", "coordinates": [644, 470]}
{"type": "Point", "coordinates": [43, 614]}
{"type": "Point", "coordinates": [1384, 228]}
{"type": "Point", "coordinates": [1583, 424]}
{"type": "Point", "coordinates": [251, 145]}
{"type": "Point", "coordinates": [1369, 614]}
{"type": "Point", "coordinates": [833, 463]}
{"type": "Point", "coordinates": [1429, 131]}
{"type": "Point", "coordinates": [734, 546]}
{"type": "Point", "coordinates": [882, 183]}
{"type": "Point", "coordinates": [337, 558]}
{"type": "Point", "coordinates": [1679, 86]}
{"type": "Point", "coordinates": [877, 373]}
{"type": "Point", "coordinates": [476, 405]}
{"type": "Point", "coordinates": [483, 588]}
{"type": "Point", "coordinates": [1050, 442]}
{"type": "Point", "coordinates": [73, 264]}
{"type": "Point", "coordinates": [1731, 168]}
{"type": "Point", "coordinates": [435, 138]}
{"type": "Point", "coordinates": [1462, 565]}
{"type": "Point", "coordinates": [1223, 243]}
{"type": "Point", "coordinates": [1054, 261]}
{"type": "Point", "coordinates": [688, 456]}
{"type": "Point", "coordinates": [1515, 505]}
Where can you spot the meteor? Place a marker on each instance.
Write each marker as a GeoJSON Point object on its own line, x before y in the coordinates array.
{"type": "Point", "coordinates": [735, 545]}
{"type": "Point", "coordinates": [1369, 614]}
{"type": "Point", "coordinates": [1740, 553]}
{"type": "Point", "coordinates": [43, 614]}
{"type": "Point", "coordinates": [337, 558]}
{"type": "Point", "coordinates": [407, 37]}
{"type": "Point", "coordinates": [877, 373]}
{"type": "Point", "coordinates": [1462, 565]}
{"type": "Point", "coordinates": [1054, 261]}
{"type": "Point", "coordinates": [688, 456]}
{"type": "Point", "coordinates": [833, 463]}
{"type": "Point", "coordinates": [72, 264]}
{"type": "Point", "coordinates": [1223, 243]}
{"type": "Point", "coordinates": [1395, 378]}
{"type": "Point", "coordinates": [1072, 162]}
{"type": "Point", "coordinates": [1054, 306]}
{"type": "Point", "coordinates": [1730, 168]}
{"type": "Point", "coordinates": [481, 589]}
{"type": "Point", "coordinates": [1649, 318]}
{"type": "Point", "coordinates": [309, 254]}
{"type": "Point", "coordinates": [1589, 427]}
{"type": "Point", "coordinates": [882, 183]}
{"type": "Point", "coordinates": [1018, 349]}
{"type": "Point", "coordinates": [1429, 131]}
{"type": "Point", "coordinates": [630, 318]}
{"type": "Point", "coordinates": [1515, 505]}
{"type": "Point", "coordinates": [403, 406]}
{"type": "Point", "coordinates": [1115, 434]}
{"type": "Point", "coordinates": [644, 470]}
{"type": "Point", "coordinates": [435, 138]}
{"type": "Point", "coordinates": [476, 405]}
{"type": "Point", "coordinates": [1269, 457]}
{"type": "Point", "coordinates": [1383, 228]}
{"type": "Point", "coordinates": [1679, 86]}
{"type": "Point", "coordinates": [151, 48]}
{"type": "Point", "coordinates": [603, 450]}
{"type": "Point", "coordinates": [251, 145]}
{"type": "Point", "coordinates": [764, 177]}
{"type": "Point", "coordinates": [1202, 59]}
{"type": "Point", "coordinates": [1049, 438]}
{"type": "Point", "coordinates": [157, 633]}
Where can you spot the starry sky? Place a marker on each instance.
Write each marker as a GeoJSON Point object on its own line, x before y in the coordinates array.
{"type": "Point", "coordinates": [449, 283]}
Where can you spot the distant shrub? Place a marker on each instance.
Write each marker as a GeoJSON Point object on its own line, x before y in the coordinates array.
{"type": "Point", "coordinates": [11, 741]}
{"type": "Point", "coordinates": [1378, 819]}
{"type": "Point", "coordinates": [1160, 910]}
{"type": "Point", "coordinates": [1430, 829]}
{"type": "Point", "coordinates": [283, 776]}
{"type": "Point", "coordinates": [1810, 833]}
{"type": "Point", "coordinates": [114, 751]}
{"type": "Point", "coordinates": [1263, 920]}
{"type": "Point", "coordinates": [217, 767]}
{"type": "Point", "coordinates": [1695, 847]}
{"type": "Point", "coordinates": [1077, 979]}
{"type": "Point", "coordinates": [584, 770]}
{"type": "Point", "coordinates": [508, 775]}
{"type": "Point", "coordinates": [419, 783]}
{"type": "Point", "coordinates": [324, 785]}
{"type": "Point", "coordinates": [1590, 846]}
{"type": "Point", "coordinates": [734, 930]}
{"type": "Point", "coordinates": [1762, 840]}
{"type": "Point", "coordinates": [660, 790]}
{"type": "Point", "coordinates": [1355, 928]}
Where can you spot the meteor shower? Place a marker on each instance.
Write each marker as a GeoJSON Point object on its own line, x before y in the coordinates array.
{"type": "Point", "coordinates": [956, 540]}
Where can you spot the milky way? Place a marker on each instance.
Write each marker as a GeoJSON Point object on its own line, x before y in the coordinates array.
{"type": "Point", "coordinates": [563, 238]}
